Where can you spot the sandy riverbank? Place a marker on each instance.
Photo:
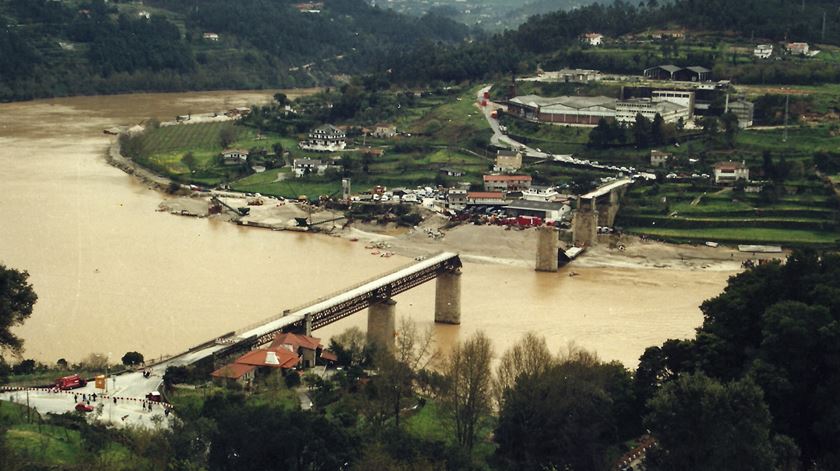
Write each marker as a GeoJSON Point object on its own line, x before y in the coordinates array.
{"type": "Point", "coordinates": [477, 244]}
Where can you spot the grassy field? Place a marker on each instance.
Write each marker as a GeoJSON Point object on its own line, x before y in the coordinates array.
{"type": "Point", "coordinates": [430, 423]}
{"type": "Point", "coordinates": [48, 446]}
{"type": "Point", "coordinates": [807, 217]}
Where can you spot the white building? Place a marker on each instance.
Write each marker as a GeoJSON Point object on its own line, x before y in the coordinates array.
{"type": "Point", "coordinates": [593, 39]}
{"type": "Point", "coordinates": [303, 167]}
{"type": "Point", "coordinates": [210, 37]}
{"type": "Point", "coordinates": [234, 156]}
{"type": "Point", "coordinates": [763, 51]}
{"type": "Point", "coordinates": [626, 110]}
{"type": "Point", "coordinates": [730, 172]}
{"type": "Point", "coordinates": [680, 97]}
{"type": "Point", "coordinates": [326, 138]}
{"type": "Point", "coordinates": [743, 109]}
{"type": "Point", "coordinates": [800, 49]}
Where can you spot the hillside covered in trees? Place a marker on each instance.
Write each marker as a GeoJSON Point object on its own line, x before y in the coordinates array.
{"type": "Point", "coordinates": [57, 48]}
{"type": "Point", "coordinates": [50, 48]}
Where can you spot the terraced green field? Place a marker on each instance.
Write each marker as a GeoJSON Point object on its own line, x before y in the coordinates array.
{"type": "Point", "coordinates": [698, 215]}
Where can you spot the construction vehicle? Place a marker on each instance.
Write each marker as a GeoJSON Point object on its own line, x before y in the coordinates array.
{"type": "Point", "coordinates": [243, 211]}
{"type": "Point", "coordinates": [70, 382]}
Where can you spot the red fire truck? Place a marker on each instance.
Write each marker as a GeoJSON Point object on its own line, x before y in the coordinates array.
{"type": "Point", "coordinates": [70, 382]}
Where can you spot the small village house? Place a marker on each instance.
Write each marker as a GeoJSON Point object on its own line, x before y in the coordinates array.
{"type": "Point", "coordinates": [508, 161]}
{"type": "Point", "coordinates": [384, 131]}
{"type": "Point", "coordinates": [450, 172]}
{"type": "Point", "coordinates": [210, 37]}
{"type": "Point", "coordinates": [729, 172]}
{"type": "Point", "coordinates": [456, 199]}
{"type": "Point", "coordinates": [797, 49]}
{"type": "Point", "coordinates": [659, 158]}
{"type": "Point", "coordinates": [593, 39]}
{"type": "Point", "coordinates": [506, 182]}
{"type": "Point", "coordinates": [234, 156]}
{"type": "Point", "coordinates": [763, 51]}
{"type": "Point", "coordinates": [302, 167]}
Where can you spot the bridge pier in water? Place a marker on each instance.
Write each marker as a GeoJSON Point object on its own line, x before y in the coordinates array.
{"type": "Point", "coordinates": [448, 297]}
{"type": "Point", "coordinates": [547, 244]}
{"type": "Point", "coordinates": [382, 327]}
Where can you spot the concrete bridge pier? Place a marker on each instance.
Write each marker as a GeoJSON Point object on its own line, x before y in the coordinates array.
{"type": "Point", "coordinates": [448, 297]}
{"type": "Point", "coordinates": [585, 223]}
{"type": "Point", "coordinates": [382, 323]}
{"type": "Point", "coordinates": [547, 249]}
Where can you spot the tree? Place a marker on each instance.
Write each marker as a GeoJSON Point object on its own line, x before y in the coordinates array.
{"type": "Point", "coordinates": [467, 390]}
{"type": "Point", "coordinates": [16, 301]}
{"type": "Point", "coordinates": [730, 128]}
{"type": "Point", "coordinates": [642, 131]}
{"type": "Point", "coordinates": [281, 99]}
{"type": "Point", "coordinates": [565, 417]}
{"type": "Point", "coordinates": [132, 359]}
{"type": "Point", "coordinates": [398, 368]}
{"type": "Point", "coordinates": [189, 160]}
{"type": "Point", "coordinates": [703, 424]}
{"type": "Point", "coordinates": [62, 364]}
{"type": "Point", "coordinates": [657, 130]}
{"type": "Point", "coordinates": [350, 347]}
{"type": "Point", "coordinates": [228, 135]}
{"type": "Point", "coordinates": [529, 356]}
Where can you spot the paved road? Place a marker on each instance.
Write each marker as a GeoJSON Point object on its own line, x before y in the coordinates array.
{"type": "Point", "coordinates": [129, 409]}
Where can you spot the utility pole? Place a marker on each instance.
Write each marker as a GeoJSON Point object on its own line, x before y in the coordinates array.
{"type": "Point", "coordinates": [823, 27]}
{"type": "Point", "coordinates": [787, 108]}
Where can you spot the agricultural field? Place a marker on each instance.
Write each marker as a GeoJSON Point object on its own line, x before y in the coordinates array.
{"type": "Point", "coordinates": [805, 215]}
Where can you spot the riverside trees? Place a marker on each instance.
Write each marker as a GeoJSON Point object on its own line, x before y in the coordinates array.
{"type": "Point", "coordinates": [16, 301]}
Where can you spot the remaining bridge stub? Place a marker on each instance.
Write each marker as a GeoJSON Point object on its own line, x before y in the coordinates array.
{"type": "Point", "coordinates": [547, 242]}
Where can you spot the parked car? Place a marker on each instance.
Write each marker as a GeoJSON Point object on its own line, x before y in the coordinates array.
{"type": "Point", "coordinates": [82, 407]}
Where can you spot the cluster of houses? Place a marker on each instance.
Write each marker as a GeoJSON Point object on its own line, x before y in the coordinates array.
{"type": "Point", "coordinates": [725, 172]}
{"type": "Point", "coordinates": [288, 352]}
{"type": "Point", "coordinates": [765, 51]}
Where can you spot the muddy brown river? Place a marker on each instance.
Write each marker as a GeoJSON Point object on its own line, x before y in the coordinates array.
{"type": "Point", "coordinates": [113, 275]}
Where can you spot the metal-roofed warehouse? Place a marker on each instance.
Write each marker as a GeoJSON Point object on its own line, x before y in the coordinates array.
{"type": "Point", "coordinates": [564, 109]}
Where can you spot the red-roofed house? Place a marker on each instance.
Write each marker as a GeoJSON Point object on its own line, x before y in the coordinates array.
{"type": "Point", "coordinates": [244, 368]}
{"type": "Point", "coordinates": [486, 198]}
{"type": "Point", "coordinates": [507, 182]}
{"type": "Point", "coordinates": [235, 372]}
{"type": "Point", "coordinates": [303, 345]}
{"type": "Point", "coordinates": [730, 172]}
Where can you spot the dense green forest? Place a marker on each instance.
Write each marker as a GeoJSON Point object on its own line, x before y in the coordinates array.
{"type": "Point", "coordinates": [553, 40]}
{"type": "Point", "coordinates": [50, 48]}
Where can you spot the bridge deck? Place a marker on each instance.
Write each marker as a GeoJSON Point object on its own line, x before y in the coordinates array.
{"type": "Point", "coordinates": [324, 311]}
{"type": "Point", "coordinates": [598, 192]}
